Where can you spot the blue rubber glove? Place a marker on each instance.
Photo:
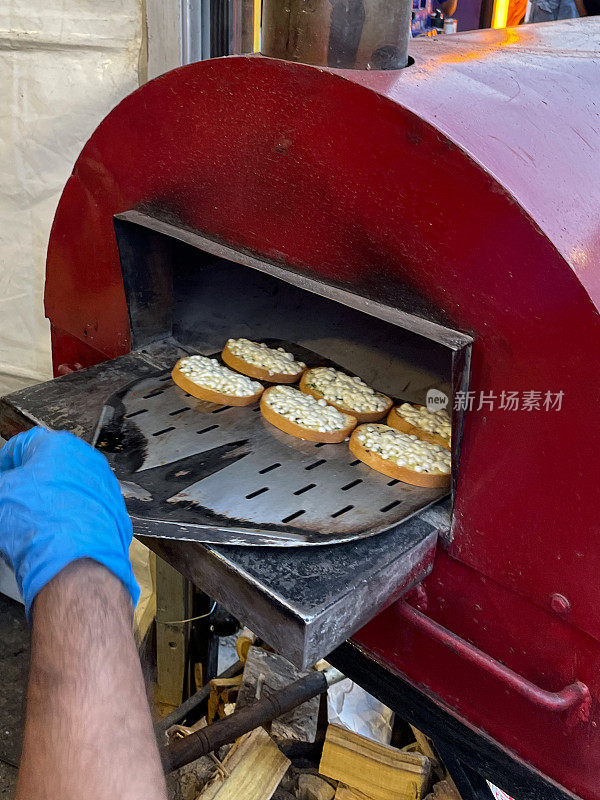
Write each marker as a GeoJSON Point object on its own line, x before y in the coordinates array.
{"type": "Point", "coordinates": [59, 502]}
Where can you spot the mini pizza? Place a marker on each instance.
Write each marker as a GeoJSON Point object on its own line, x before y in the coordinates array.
{"type": "Point", "coordinates": [346, 393]}
{"type": "Point", "coordinates": [402, 456]}
{"type": "Point", "coordinates": [431, 426]}
{"type": "Point", "coordinates": [206, 379]}
{"type": "Point", "coordinates": [259, 361]}
{"type": "Point", "coordinates": [303, 416]}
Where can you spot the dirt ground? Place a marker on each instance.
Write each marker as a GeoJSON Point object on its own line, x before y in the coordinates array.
{"type": "Point", "coordinates": [14, 663]}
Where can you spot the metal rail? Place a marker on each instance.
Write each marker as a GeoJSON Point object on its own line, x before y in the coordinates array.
{"type": "Point", "coordinates": [272, 705]}
{"type": "Point", "coordinates": [575, 696]}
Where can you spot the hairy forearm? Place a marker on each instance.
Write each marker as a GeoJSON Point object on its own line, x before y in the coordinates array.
{"type": "Point", "coordinates": [88, 731]}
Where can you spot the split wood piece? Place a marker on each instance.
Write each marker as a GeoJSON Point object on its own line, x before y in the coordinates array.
{"type": "Point", "coordinates": [445, 790]}
{"type": "Point", "coordinates": [222, 693]}
{"type": "Point", "coordinates": [392, 470]}
{"type": "Point", "coordinates": [347, 793]}
{"type": "Point", "coordinates": [193, 702]}
{"type": "Point", "coordinates": [254, 371]}
{"type": "Point", "coordinates": [397, 421]}
{"type": "Point", "coordinates": [311, 787]}
{"type": "Point", "coordinates": [243, 643]}
{"type": "Point", "coordinates": [251, 770]}
{"type": "Point", "coordinates": [212, 396]}
{"type": "Point", "coordinates": [360, 416]}
{"type": "Point", "coordinates": [187, 782]}
{"type": "Point", "coordinates": [272, 672]}
{"type": "Point", "coordinates": [439, 771]}
{"type": "Point", "coordinates": [377, 770]}
{"type": "Point", "coordinates": [425, 746]}
{"type": "Point", "coordinates": [308, 434]}
{"type": "Point", "coordinates": [181, 731]}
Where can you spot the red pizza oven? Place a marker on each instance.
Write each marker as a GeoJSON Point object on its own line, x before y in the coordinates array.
{"type": "Point", "coordinates": [429, 226]}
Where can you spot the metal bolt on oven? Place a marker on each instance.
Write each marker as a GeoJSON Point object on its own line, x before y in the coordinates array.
{"type": "Point", "coordinates": [433, 226]}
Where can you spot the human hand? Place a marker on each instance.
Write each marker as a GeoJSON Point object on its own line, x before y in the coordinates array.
{"type": "Point", "coordinates": [60, 502]}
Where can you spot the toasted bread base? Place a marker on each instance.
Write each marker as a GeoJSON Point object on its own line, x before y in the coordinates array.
{"type": "Point", "coordinates": [398, 422]}
{"type": "Point", "coordinates": [308, 434]}
{"type": "Point", "coordinates": [427, 480]}
{"type": "Point", "coordinates": [360, 416]}
{"type": "Point", "coordinates": [209, 394]}
{"type": "Point", "coordinates": [260, 373]}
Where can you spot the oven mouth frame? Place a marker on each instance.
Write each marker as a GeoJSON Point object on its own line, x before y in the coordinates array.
{"type": "Point", "coordinates": [152, 321]}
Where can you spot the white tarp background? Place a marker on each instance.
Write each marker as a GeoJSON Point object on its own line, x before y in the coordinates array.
{"type": "Point", "coordinates": [63, 66]}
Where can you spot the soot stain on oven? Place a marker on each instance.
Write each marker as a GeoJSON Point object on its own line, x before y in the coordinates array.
{"type": "Point", "coordinates": [153, 494]}
{"type": "Point", "coordinates": [157, 489]}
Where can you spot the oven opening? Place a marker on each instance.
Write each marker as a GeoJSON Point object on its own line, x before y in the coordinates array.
{"type": "Point", "coordinates": [216, 299]}
{"type": "Point", "coordinates": [201, 293]}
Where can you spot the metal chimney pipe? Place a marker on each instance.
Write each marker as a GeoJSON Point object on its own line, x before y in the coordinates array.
{"type": "Point", "coordinates": [347, 34]}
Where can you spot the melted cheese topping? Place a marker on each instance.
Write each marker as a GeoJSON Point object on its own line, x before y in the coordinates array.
{"type": "Point", "coordinates": [437, 422]}
{"type": "Point", "coordinates": [304, 410]}
{"type": "Point", "coordinates": [352, 393]}
{"type": "Point", "coordinates": [207, 372]}
{"type": "Point", "coordinates": [405, 450]}
{"type": "Point", "coordinates": [258, 354]}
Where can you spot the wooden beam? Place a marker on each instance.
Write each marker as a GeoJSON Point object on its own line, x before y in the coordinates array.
{"type": "Point", "coordinates": [172, 606]}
